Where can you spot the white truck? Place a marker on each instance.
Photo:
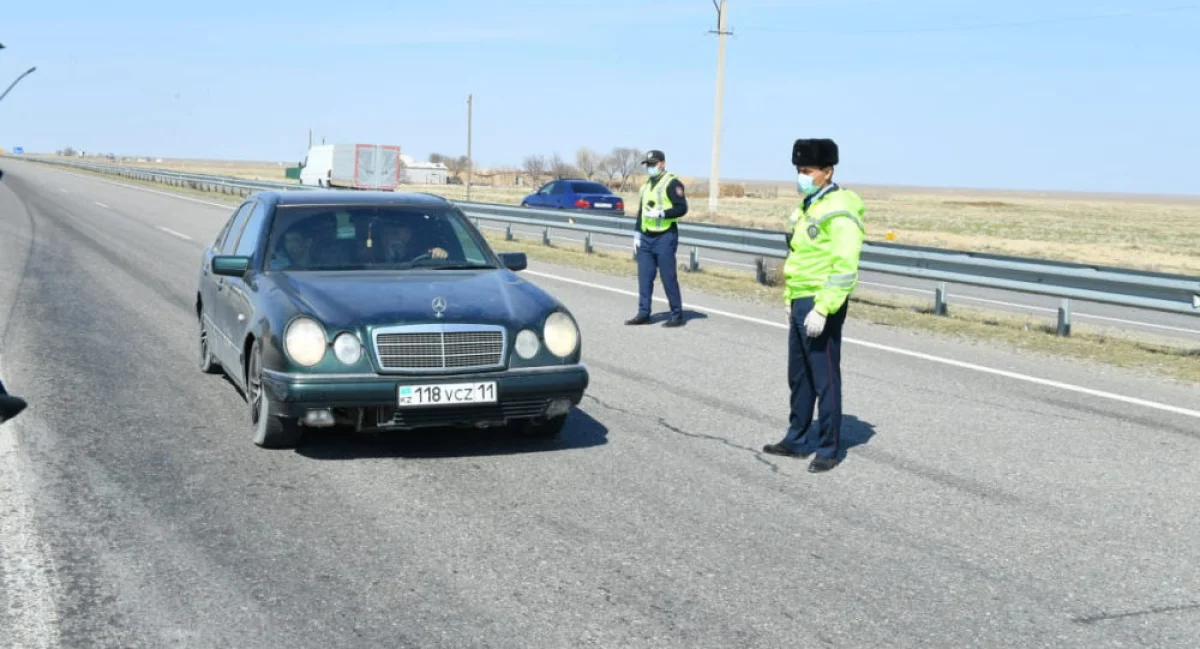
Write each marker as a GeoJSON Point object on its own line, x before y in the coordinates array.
{"type": "Point", "coordinates": [352, 166]}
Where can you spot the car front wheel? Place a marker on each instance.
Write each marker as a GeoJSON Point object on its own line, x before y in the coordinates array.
{"type": "Point", "coordinates": [270, 431]}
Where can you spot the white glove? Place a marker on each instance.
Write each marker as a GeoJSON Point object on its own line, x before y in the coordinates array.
{"type": "Point", "coordinates": [814, 324]}
{"type": "Point", "coordinates": [653, 213]}
{"type": "Point", "coordinates": [637, 240]}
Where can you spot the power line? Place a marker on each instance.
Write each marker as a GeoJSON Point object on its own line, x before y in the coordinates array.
{"type": "Point", "coordinates": [964, 28]}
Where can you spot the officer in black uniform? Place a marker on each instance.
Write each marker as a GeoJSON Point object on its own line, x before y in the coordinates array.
{"type": "Point", "coordinates": [660, 203]}
{"type": "Point", "coordinates": [10, 406]}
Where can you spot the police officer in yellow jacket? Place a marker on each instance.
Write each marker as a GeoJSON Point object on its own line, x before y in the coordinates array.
{"type": "Point", "coordinates": [656, 238]}
{"type": "Point", "coordinates": [821, 270]}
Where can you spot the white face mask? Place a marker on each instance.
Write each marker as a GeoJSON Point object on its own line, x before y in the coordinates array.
{"type": "Point", "coordinates": [806, 184]}
{"type": "Point", "coordinates": [653, 171]}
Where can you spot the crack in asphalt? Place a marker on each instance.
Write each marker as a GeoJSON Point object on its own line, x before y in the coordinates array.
{"type": "Point", "coordinates": [758, 455]}
{"type": "Point", "coordinates": [1158, 610]}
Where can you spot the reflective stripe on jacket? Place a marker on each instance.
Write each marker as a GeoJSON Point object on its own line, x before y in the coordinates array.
{"type": "Point", "coordinates": [824, 247]}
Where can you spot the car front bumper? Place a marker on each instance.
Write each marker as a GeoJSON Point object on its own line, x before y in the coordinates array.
{"type": "Point", "coordinates": [370, 401]}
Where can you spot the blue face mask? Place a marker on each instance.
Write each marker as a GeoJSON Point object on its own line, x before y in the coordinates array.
{"type": "Point", "coordinates": [806, 185]}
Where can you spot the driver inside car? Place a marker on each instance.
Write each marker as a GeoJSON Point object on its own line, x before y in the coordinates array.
{"type": "Point", "coordinates": [395, 243]}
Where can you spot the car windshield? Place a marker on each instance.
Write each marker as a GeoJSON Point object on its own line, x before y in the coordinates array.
{"type": "Point", "coordinates": [370, 237]}
{"type": "Point", "coordinates": [589, 188]}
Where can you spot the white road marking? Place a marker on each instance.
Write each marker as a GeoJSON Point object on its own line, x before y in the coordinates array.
{"type": "Point", "coordinates": [63, 190]}
{"type": "Point", "coordinates": [29, 617]}
{"type": "Point", "coordinates": [614, 246]}
{"type": "Point", "coordinates": [1044, 309]}
{"type": "Point", "coordinates": [181, 197]}
{"type": "Point", "coordinates": [100, 204]}
{"type": "Point", "coordinates": [174, 233]}
{"type": "Point", "coordinates": [904, 352]}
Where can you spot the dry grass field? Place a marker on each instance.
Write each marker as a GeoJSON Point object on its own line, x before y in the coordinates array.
{"type": "Point", "coordinates": [1152, 233]}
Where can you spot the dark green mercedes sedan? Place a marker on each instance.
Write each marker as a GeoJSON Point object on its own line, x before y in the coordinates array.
{"type": "Point", "coordinates": [380, 311]}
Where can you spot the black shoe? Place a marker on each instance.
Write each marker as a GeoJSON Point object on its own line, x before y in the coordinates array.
{"type": "Point", "coordinates": [676, 321]}
{"type": "Point", "coordinates": [638, 320]}
{"type": "Point", "coordinates": [821, 464]}
{"type": "Point", "coordinates": [779, 449]}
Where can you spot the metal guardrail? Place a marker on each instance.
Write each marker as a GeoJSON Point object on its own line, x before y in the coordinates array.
{"type": "Point", "coordinates": [1069, 281]}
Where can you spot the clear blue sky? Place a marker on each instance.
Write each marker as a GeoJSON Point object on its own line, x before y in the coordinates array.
{"type": "Point", "coordinates": [1068, 94]}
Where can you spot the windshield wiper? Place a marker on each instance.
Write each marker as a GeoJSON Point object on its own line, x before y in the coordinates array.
{"type": "Point", "coordinates": [466, 266]}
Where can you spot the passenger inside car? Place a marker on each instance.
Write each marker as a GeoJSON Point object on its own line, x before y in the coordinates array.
{"type": "Point", "coordinates": [294, 249]}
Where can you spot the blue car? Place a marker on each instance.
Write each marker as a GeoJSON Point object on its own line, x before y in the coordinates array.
{"type": "Point", "coordinates": [569, 194]}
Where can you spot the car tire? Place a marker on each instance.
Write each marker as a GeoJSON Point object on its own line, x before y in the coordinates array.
{"type": "Point", "coordinates": [208, 362]}
{"type": "Point", "coordinates": [270, 431]}
{"type": "Point", "coordinates": [547, 429]}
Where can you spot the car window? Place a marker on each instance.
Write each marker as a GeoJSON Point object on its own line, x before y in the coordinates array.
{"type": "Point", "coordinates": [589, 188]}
{"type": "Point", "coordinates": [373, 237]}
{"type": "Point", "coordinates": [546, 188]}
{"type": "Point", "coordinates": [473, 250]}
{"type": "Point", "coordinates": [232, 228]}
{"type": "Point", "coordinates": [558, 188]}
{"type": "Point", "coordinates": [248, 242]}
{"type": "Point", "coordinates": [216, 244]}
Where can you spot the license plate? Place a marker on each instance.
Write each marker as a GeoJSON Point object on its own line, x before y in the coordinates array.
{"type": "Point", "coordinates": [446, 394]}
{"type": "Point", "coordinates": [603, 204]}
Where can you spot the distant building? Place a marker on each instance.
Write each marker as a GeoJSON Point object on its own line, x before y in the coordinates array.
{"type": "Point", "coordinates": [423, 173]}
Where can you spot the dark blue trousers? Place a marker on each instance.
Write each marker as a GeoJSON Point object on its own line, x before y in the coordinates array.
{"type": "Point", "coordinates": [815, 378]}
{"type": "Point", "coordinates": [657, 253]}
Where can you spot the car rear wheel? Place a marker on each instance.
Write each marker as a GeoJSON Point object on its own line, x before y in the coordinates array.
{"type": "Point", "coordinates": [546, 429]}
{"type": "Point", "coordinates": [208, 362]}
{"type": "Point", "coordinates": [270, 431]}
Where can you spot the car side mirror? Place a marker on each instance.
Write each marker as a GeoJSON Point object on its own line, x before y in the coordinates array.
{"type": "Point", "coordinates": [230, 266]}
{"type": "Point", "coordinates": [514, 261]}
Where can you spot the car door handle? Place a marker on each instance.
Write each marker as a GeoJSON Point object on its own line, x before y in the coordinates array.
{"type": "Point", "coordinates": [220, 285]}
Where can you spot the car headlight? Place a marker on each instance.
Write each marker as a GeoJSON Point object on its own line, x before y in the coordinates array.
{"type": "Point", "coordinates": [527, 344]}
{"type": "Point", "coordinates": [305, 341]}
{"type": "Point", "coordinates": [561, 334]}
{"type": "Point", "coordinates": [347, 349]}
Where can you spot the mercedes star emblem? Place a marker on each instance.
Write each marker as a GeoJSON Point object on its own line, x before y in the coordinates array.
{"type": "Point", "coordinates": [439, 306]}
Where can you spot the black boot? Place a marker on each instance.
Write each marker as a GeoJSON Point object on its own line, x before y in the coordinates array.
{"type": "Point", "coordinates": [821, 464]}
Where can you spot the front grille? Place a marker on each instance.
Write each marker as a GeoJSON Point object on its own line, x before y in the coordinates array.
{"type": "Point", "coordinates": [440, 347]}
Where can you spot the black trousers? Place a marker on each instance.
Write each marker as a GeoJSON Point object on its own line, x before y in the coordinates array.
{"type": "Point", "coordinates": [815, 379]}
{"type": "Point", "coordinates": [657, 253]}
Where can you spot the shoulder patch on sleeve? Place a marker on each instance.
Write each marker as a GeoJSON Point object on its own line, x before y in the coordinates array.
{"type": "Point", "coordinates": [679, 189]}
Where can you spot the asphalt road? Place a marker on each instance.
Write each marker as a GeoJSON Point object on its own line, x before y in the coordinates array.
{"type": "Point", "coordinates": [991, 499]}
{"type": "Point", "coordinates": [1097, 317]}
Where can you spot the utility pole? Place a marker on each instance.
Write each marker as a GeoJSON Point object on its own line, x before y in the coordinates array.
{"type": "Point", "coordinates": [714, 185]}
{"type": "Point", "coordinates": [470, 160]}
{"type": "Point", "coordinates": [310, 138]}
